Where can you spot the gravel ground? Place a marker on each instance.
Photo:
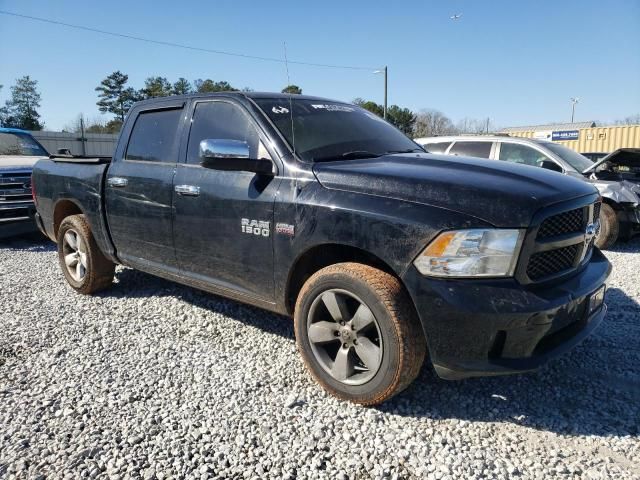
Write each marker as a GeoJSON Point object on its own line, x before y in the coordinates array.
{"type": "Point", "coordinates": [154, 380]}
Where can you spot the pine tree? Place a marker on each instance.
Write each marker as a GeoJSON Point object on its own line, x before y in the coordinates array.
{"type": "Point", "coordinates": [181, 87]}
{"type": "Point", "coordinates": [115, 97]}
{"type": "Point", "coordinates": [294, 89]}
{"type": "Point", "coordinates": [208, 85]}
{"type": "Point", "coordinates": [156, 87]}
{"type": "Point", "coordinates": [20, 110]}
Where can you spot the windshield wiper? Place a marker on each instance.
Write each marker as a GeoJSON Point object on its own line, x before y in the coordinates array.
{"type": "Point", "coordinates": [355, 154]}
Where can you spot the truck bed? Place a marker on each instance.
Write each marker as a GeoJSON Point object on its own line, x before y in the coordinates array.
{"type": "Point", "coordinates": [79, 181]}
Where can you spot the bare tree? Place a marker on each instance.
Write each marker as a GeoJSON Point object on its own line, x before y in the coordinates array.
{"type": "Point", "coordinates": [475, 126]}
{"type": "Point", "coordinates": [630, 120]}
{"type": "Point", "coordinates": [430, 123]}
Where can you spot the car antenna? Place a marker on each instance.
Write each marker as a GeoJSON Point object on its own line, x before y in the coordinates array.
{"type": "Point", "coordinates": [286, 64]}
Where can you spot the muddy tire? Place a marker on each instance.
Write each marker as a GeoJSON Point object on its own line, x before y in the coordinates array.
{"type": "Point", "coordinates": [358, 333]}
{"type": "Point", "coordinates": [609, 228]}
{"type": "Point", "coordinates": [84, 266]}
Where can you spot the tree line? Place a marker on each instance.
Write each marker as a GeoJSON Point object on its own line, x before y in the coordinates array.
{"type": "Point", "coordinates": [116, 96]}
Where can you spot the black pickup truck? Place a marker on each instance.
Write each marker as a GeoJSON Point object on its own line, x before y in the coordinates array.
{"type": "Point", "coordinates": [316, 209]}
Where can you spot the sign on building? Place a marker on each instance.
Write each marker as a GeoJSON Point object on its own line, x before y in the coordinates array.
{"type": "Point", "coordinates": [565, 135]}
{"type": "Point", "coordinates": [542, 134]}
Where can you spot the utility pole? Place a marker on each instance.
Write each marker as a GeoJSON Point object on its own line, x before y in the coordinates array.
{"type": "Point", "coordinates": [385, 93]}
{"type": "Point", "coordinates": [574, 100]}
{"type": "Point", "coordinates": [384, 109]}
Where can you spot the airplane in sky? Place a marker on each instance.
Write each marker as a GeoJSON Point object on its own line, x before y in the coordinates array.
{"type": "Point", "coordinates": [455, 17]}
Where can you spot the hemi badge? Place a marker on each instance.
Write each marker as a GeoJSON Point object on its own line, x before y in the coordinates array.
{"type": "Point", "coordinates": [285, 229]}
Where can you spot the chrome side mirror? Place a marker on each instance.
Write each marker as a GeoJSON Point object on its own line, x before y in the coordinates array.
{"type": "Point", "coordinates": [232, 155]}
{"type": "Point", "coordinates": [220, 148]}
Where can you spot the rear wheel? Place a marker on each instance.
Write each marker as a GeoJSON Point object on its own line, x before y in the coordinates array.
{"type": "Point", "coordinates": [609, 227]}
{"type": "Point", "coordinates": [84, 266]}
{"type": "Point", "coordinates": [358, 333]}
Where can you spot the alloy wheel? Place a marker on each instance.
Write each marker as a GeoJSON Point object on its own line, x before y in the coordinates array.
{"type": "Point", "coordinates": [75, 255]}
{"type": "Point", "coordinates": [345, 337]}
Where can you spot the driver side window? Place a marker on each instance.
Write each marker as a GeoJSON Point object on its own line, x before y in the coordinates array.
{"type": "Point", "coordinates": [222, 121]}
{"type": "Point", "coordinates": [522, 154]}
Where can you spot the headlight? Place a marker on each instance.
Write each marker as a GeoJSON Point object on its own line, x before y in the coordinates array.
{"type": "Point", "coordinates": [471, 253]}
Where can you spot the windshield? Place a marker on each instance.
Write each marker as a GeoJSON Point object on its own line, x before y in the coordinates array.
{"type": "Point", "coordinates": [322, 130]}
{"type": "Point", "coordinates": [20, 144]}
{"type": "Point", "coordinates": [577, 161]}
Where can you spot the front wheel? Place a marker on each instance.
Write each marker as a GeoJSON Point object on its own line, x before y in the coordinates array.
{"type": "Point", "coordinates": [358, 333]}
{"type": "Point", "coordinates": [84, 266]}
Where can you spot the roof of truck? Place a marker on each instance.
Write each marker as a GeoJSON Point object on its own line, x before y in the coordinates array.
{"type": "Point", "coordinates": [252, 95]}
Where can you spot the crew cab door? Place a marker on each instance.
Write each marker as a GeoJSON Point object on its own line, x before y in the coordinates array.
{"type": "Point", "coordinates": [139, 187]}
{"type": "Point", "coordinates": [213, 208]}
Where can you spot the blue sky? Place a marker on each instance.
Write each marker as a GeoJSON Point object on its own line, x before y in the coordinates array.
{"type": "Point", "coordinates": [517, 62]}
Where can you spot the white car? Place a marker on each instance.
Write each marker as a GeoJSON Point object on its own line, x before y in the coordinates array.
{"type": "Point", "coordinates": [620, 189]}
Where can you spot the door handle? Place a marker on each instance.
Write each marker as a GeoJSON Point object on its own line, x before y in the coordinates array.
{"type": "Point", "coordinates": [187, 190]}
{"type": "Point", "coordinates": [118, 182]}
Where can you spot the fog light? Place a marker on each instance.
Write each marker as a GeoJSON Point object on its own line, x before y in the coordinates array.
{"type": "Point", "coordinates": [596, 299]}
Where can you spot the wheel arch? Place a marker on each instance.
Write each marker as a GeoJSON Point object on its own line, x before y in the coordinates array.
{"type": "Point", "coordinates": [320, 256]}
{"type": "Point", "coordinates": [612, 203]}
{"type": "Point", "coordinates": [64, 208]}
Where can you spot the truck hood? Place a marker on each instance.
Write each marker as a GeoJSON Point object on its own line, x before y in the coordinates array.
{"type": "Point", "coordinates": [18, 161]}
{"type": "Point", "coordinates": [499, 193]}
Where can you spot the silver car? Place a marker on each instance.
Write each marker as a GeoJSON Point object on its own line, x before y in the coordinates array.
{"type": "Point", "coordinates": [617, 177]}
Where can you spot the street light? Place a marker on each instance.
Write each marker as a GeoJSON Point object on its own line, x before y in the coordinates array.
{"type": "Point", "coordinates": [574, 100]}
{"type": "Point", "coordinates": [384, 111]}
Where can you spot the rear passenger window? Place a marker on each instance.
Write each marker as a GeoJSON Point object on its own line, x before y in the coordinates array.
{"type": "Point", "coordinates": [154, 136]}
{"type": "Point", "coordinates": [471, 149]}
{"type": "Point", "coordinates": [438, 147]}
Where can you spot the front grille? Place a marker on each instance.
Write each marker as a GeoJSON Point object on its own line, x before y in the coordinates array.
{"type": "Point", "coordinates": [596, 211]}
{"type": "Point", "coordinates": [551, 262]}
{"type": "Point", "coordinates": [559, 244]}
{"type": "Point", "coordinates": [11, 196]}
{"type": "Point", "coordinates": [15, 194]}
{"type": "Point", "coordinates": [563, 223]}
{"type": "Point", "coordinates": [15, 187]}
{"type": "Point", "coordinates": [13, 214]}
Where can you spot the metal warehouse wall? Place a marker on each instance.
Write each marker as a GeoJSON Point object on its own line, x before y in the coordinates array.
{"type": "Point", "coordinates": [597, 139]}
{"type": "Point", "coordinates": [98, 144]}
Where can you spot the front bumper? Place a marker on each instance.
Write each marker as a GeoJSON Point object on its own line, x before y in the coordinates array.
{"type": "Point", "coordinates": [495, 327]}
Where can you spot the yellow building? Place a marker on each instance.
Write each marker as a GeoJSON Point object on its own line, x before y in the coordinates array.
{"type": "Point", "coordinates": [582, 137]}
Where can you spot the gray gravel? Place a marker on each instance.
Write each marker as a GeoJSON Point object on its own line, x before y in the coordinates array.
{"type": "Point", "coordinates": [155, 380]}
